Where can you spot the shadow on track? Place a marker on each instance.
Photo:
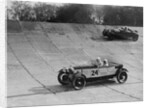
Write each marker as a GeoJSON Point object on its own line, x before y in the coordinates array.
{"type": "Point", "coordinates": [101, 39]}
{"type": "Point", "coordinates": [54, 89]}
{"type": "Point", "coordinates": [60, 88]}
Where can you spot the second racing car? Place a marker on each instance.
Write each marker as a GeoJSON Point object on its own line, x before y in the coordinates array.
{"type": "Point", "coordinates": [121, 33]}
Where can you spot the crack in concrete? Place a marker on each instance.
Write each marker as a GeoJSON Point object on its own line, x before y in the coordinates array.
{"type": "Point", "coordinates": [122, 92]}
{"type": "Point", "coordinates": [29, 71]}
{"type": "Point", "coordinates": [45, 33]}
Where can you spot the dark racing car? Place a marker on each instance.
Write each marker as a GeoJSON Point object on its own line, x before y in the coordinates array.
{"type": "Point", "coordinates": [121, 33]}
{"type": "Point", "coordinates": [78, 76]}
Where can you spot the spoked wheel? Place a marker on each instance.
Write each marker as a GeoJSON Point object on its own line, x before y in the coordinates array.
{"type": "Point", "coordinates": [78, 82]}
{"type": "Point", "coordinates": [122, 77]}
{"type": "Point", "coordinates": [63, 78]}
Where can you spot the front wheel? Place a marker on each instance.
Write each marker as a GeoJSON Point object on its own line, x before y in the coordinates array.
{"type": "Point", "coordinates": [78, 82]}
{"type": "Point", "coordinates": [63, 78]}
{"type": "Point", "coordinates": [110, 38]}
{"type": "Point", "coordinates": [105, 32]}
{"type": "Point", "coordinates": [122, 77]}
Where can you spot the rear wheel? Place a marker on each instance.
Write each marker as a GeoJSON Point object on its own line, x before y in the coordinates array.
{"type": "Point", "coordinates": [135, 38]}
{"type": "Point", "coordinates": [78, 82]}
{"type": "Point", "coordinates": [63, 78]}
{"type": "Point", "coordinates": [122, 76]}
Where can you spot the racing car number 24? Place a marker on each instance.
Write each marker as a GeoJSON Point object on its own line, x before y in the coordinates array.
{"type": "Point", "coordinates": [94, 72]}
{"type": "Point", "coordinates": [80, 75]}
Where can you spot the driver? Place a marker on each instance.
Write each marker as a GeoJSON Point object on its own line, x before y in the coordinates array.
{"type": "Point", "coordinates": [106, 62]}
{"type": "Point", "coordinates": [99, 62]}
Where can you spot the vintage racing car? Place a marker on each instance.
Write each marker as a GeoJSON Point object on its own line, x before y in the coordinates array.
{"type": "Point", "coordinates": [78, 76]}
{"type": "Point", "coordinates": [120, 33]}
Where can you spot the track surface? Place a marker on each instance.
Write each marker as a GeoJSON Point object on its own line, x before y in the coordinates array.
{"type": "Point", "coordinates": [36, 51]}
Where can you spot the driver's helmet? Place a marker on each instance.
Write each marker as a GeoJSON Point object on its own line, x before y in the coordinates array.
{"type": "Point", "coordinates": [64, 69]}
{"type": "Point", "coordinates": [106, 62]}
{"type": "Point", "coordinates": [98, 58]}
{"type": "Point", "coordinates": [99, 61]}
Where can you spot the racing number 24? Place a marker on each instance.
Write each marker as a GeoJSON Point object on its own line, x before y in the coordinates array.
{"type": "Point", "coordinates": [94, 72]}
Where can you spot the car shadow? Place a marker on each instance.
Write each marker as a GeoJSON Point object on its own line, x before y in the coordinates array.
{"type": "Point", "coordinates": [54, 89]}
{"type": "Point", "coordinates": [102, 39]}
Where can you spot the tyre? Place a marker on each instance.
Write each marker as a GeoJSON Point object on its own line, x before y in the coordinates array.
{"type": "Point", "coordinates": [122, 76]}
{"type": "Point", "coordinates": [104, 32]}
{"type": "Point", "coordinates": [110, 37]}
{"type": "Point", "coordinates": [135, 38]}
{"type": "Point", "coordinates": [63, 78]}
{"type": "Point", "coordinates": [78, 82]}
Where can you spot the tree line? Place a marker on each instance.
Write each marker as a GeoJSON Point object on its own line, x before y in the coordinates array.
{"type": "Point", "coordinates": [76, 13]}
